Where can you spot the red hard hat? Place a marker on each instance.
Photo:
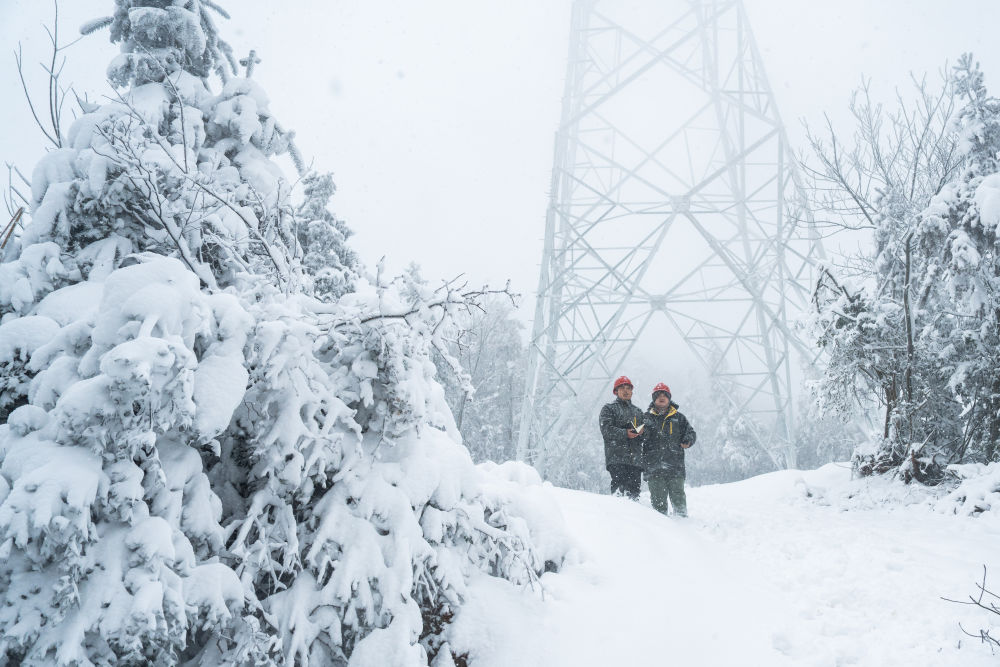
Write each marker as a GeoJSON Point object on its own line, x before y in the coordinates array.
{"type": "Point", "coordinates": [662, 387]}
{"type": "Point", "coordinates": [619, 382]}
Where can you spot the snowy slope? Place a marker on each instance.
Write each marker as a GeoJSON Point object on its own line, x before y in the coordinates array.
{"type": "Point", "coordinates": [791, 568]}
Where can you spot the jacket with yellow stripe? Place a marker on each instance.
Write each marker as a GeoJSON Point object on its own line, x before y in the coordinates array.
{"type": "Point", "coordinates": [661, 441]}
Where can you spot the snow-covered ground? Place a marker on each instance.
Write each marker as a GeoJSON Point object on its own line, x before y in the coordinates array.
{"type": "Point", "coordinates": [790, 568]}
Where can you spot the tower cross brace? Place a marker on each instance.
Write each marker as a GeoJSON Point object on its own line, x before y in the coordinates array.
{"type": "Point", "coordinates": [674, 203]}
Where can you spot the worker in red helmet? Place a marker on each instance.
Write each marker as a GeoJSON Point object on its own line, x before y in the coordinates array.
{"type": "Point", "coordinates": [666, 436]}
{"type": "Point", "coordinates": [621, 424]}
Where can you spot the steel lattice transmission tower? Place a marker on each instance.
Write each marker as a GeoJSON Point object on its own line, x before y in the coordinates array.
{"type": "Point", "coordinates": [673, 193]}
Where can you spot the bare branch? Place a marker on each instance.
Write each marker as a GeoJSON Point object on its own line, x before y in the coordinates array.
{"type": "Point", "coordinates": [8, 230]}
{"type": "Point", "coordinates": [56, 94]}
{"type": "Point", "coordinates": [19, 60]}
{"type": "Point", "coordinates": [902, 157]}
{"type": "Point", "coordinates": [990, 607]}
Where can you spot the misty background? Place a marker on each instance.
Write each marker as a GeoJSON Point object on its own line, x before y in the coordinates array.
{"type": "Point", "coordinates": [437, 117]}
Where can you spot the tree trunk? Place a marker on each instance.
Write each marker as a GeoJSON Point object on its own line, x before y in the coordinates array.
{"type": "Point", "coordinates": [890, 404]}
{"type": "Point", "coordinates": [461, 411]}
{"type": "Point", "coordinates": [992, 443]}
{"type": "Point", "coordinates": [908, 317]}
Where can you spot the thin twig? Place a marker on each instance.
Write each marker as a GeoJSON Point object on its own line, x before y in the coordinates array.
{"type": "Point", "coordinates": [9, 229]}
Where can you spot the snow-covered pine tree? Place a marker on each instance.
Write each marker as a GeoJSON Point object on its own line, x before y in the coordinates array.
{"type": "Point", "coordinates": [961, 226]}
{"type": "Point", "coordinates": [222, 443]}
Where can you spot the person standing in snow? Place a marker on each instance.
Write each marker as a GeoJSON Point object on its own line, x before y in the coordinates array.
{"type": "Point", "coordinates": [621, 423]}
{"type": "Point", "coordinates": [667, 434]}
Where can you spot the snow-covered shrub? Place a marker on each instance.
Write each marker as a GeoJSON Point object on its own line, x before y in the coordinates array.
{"type": "Point", "coordinates": [222, 442]}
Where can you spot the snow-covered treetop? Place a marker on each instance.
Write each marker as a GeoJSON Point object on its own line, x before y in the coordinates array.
{"type": "Point", "coordinates": [978, 123]}
{"type": "Point", "coordinates": [160, 37]}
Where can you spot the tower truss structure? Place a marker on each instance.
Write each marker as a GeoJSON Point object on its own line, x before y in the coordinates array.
{"type": "Point", "coordinates": [674, 194]}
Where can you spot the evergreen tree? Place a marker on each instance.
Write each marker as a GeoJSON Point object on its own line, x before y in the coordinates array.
{"type": "Point", "coordinates": [222, 442]}
{"type": "Point", "coordinates": [961, 226]}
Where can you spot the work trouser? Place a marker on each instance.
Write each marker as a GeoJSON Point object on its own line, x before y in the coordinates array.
{"type": "Point", "coordinates": [664, 485]}
{"type": "Point", "coordinates": [625, 479]}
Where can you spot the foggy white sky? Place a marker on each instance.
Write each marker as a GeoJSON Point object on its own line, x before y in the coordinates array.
{"type": "Point", "coordinates": [437, 116]}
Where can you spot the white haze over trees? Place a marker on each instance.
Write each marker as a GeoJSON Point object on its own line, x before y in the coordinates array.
{"type": "Point", "coordinates": [485, 389]}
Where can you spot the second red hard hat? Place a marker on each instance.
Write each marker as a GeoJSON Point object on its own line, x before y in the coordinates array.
{"type": "Point", "coordinates": [662, 387]}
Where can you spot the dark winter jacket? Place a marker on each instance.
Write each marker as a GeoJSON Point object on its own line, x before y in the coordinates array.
{"type": "Point", "coordinates": [616, 418]}
{"type": "Point", "coordinates": [662, 453]}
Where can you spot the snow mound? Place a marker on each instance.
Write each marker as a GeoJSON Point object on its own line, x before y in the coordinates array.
{"type": "Point", "coordinates": [977, 493]}
{"type": "Point", "coordinates": [790, 568]}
